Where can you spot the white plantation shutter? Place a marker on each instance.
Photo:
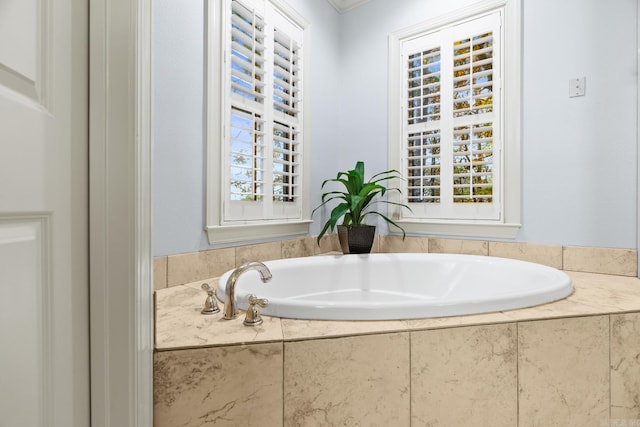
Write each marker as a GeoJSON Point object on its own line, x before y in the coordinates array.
{"type": "Point", "coordinates": [263, 144]}
{"type": "Point", "coordinates": [246, 156]}
{"type": "Point", "coordinates": [286, 104]}
{"type": "Point", "coordinates": [286, 80]}
{"type": "Point", "coordinates": [286, 163]}
{"type": "Point", "coordinates": [247, 56]}
{"type": "Point", "coordinates": [452, 121]}
{"type": "Point", "coordinates": [423, 166]}
{"type": "Point", "coordinates": [423, 81]}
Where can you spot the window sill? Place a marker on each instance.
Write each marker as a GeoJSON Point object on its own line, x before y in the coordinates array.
{"type": "Point", "coordinates": [245, 232]}
{"type": "Point", "coordinates": [461, 229]}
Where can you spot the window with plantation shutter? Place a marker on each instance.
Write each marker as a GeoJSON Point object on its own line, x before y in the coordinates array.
{"type": "Point", "coordinates": [261, 126]}
{"type": "Point", "coordinates": [454, 121]}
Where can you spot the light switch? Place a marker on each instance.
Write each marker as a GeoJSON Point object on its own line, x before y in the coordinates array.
{"type": "Point", "coordinates": [577, 86]}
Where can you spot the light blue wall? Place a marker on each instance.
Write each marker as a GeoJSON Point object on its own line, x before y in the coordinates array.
{"type": "Point", "coordinates": [579, 154]}
{"type": "Point", "coordinates": [178, 126]}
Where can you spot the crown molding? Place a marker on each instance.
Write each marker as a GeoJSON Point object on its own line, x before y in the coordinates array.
{"type": "Point", "coordinates": [343, 6]}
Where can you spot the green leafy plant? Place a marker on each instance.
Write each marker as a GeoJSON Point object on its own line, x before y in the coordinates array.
{"type": "Point", "coordinates": [358, 199]}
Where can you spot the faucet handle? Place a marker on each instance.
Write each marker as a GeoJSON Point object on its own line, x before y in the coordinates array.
{"type": "Point", "coordinates": [253, 317]}
{"type": "Point", "coordinates": [210, 304]}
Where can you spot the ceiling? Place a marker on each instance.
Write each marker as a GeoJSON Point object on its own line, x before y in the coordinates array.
{"type": "Point", "coordinates": [345, 5]}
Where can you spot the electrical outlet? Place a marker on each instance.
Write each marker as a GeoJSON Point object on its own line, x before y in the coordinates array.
{"type": "Point", "coordinates": [577, 86]}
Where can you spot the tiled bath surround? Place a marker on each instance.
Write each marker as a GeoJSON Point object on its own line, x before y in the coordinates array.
{"type": "Point", "coordinates": [514, 368]}
{"type": "Point", "coordinates": [575, 362]}
{"type": "Point", "coordinates": [178, 269]}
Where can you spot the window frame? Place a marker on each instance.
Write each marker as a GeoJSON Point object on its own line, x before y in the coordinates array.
{"type": "Point", "coordinates": [508, 224]}
{"type": "Point", "coordinates": [219, 228]}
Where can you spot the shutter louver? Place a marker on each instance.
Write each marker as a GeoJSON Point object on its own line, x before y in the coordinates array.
{"type": "Point", "coordinates": [286, 71]}
{"type": "Point", "coordinates": [473, 75]}
{"type": "Point", "coordinates": [473, 100]}
{"type": "Point", "coordinates": [424, 167]}
{"type": "Point", "coordinates": [424, 86]}
{"type": "Point", "coordinates": [285, 162]}
{"type": "Point", "coordinates": [246, 155]}
{"type": "Point", "coordinates": [247, 55]}
{"type": "Point", "coordinates": [423, 109]}
{"type": "Point", "coordinates": [473, 163]}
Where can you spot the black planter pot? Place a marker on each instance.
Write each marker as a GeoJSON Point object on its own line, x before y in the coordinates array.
{"type": "Point", "coordinates": [356, 239]}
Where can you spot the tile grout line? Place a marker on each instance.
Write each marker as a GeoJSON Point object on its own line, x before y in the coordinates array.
{"type": "Point", "coordinates": [610, 403]}
{"type": "Point", "coordinates": [518, 374]}
{"type": "Point", "coordinates": [410, 382]}
{"type": "Point", "coordinates": [283, 368]}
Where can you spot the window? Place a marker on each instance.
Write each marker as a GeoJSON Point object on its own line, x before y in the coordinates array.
{"type": "Point", "coordinates": [455, 120]}
{"type": "Point", "coordinates": [256, 131]}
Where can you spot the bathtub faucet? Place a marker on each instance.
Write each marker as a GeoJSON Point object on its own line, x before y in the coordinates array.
{"type": "Point", "coordinates": [230, 310]}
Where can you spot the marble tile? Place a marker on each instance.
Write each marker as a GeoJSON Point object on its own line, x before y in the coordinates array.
{"type": "Point", "coordinates": [357, 381]}
{"type": "Point", "coordinates": [328, 243]}
{"type": "Point", "coordinates": [625, 366]}
{"type": "Point", "coordinates": [464, 376]}
{"type": "Point", "coordinates": [179, 323]}
{"type": "Point", "coordinates": [612, 294]}
{"type": "Point", "coordinates": [395, 244]}
{"type": "Point", "coordinates": [192, 266]}
{"type": "Point", "coordinates": [187, 267]}
{"type": "Point", "coordinates": [569, 307]}
{"type": "Point", "coordinates": [550, 255]}
{"type": "Point", "coordinates": [563, 369]}
{"type": "Point", "coordinates": [375, 248]}
{"type": "Point", "coordinates": [227, 386]}
{"type": "Point", "coordinates": [296, 248]}
{"type": "Point", "coordinates": [259, 252]}
{"type": "Point", "coordinates": [593, 294]}
{"type": "Point", "coordinates": [623, 262]}
{"type": "Point", "coordinates": [159, 273]}
{"type": "Point", "coordinates": [455, 321]}
{"type": "Point", "coordinates": [296, 330]}
{"type": "Point", "coordinates": [220, 261]}
{"type": "Point", "coordinates": [459, 246]}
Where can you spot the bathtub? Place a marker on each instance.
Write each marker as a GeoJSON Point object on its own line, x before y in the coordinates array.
{"type": "Point", "coordinates": [398, 286]}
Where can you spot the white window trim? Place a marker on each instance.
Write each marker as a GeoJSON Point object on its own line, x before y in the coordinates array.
{"type": "Point", "coordinates": [509, 225]}
{"type": "Point", "coordinates": [240, 231]}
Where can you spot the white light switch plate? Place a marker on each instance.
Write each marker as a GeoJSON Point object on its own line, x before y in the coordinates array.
{"type": "Point", "coordinates": [577, 86]}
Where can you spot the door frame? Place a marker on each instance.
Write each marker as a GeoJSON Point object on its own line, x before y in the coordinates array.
{"type": "Point", "coordinates": [120, 260]}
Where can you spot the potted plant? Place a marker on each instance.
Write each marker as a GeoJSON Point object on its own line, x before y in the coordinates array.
{"type": "Point", "coordinates": [357, 201]}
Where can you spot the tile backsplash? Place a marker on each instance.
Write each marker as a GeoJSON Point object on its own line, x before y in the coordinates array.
{"type": "Point", "coordinates": [178, 269]}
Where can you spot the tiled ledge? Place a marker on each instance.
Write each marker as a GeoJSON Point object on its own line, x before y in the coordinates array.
{"type": "Point", "coordinates": [179, 269]}
{"type": "Point", "coordinates": [179, 324]}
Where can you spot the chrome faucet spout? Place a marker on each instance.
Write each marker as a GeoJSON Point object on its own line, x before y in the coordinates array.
{"type": "Point", "coordinates": [230, 307]}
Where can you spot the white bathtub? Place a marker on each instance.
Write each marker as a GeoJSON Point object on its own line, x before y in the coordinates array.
{"type": "Point", "coordinates": [398, 286]}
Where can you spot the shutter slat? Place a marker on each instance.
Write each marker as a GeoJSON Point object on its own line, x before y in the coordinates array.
{"type": "Point", "coordinates": [247, 78]}
{"type": "Point", "coordinates": [246, 53]}
{"type": "Point", "coordinates": [248, 92]}
{"type": "Point", "coordinates": [423, 86]}
{"type": "Point", "coordinates": [247, 42]}
{"type": "Point", "coordinates": [285, 128]}
{"type": "Point", "coordinates": [244, 24]}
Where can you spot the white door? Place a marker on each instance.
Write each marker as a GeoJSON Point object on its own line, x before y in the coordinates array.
{"type": "Point", "coordinates": [44, 342]}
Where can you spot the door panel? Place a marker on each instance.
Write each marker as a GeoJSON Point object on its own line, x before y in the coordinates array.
{"type": "Point", "coordinates": [24, 374]}
{"type": "Point", "coordinates": [44, 362]}
{"type": "Point", "coordinates": [24, 32]}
